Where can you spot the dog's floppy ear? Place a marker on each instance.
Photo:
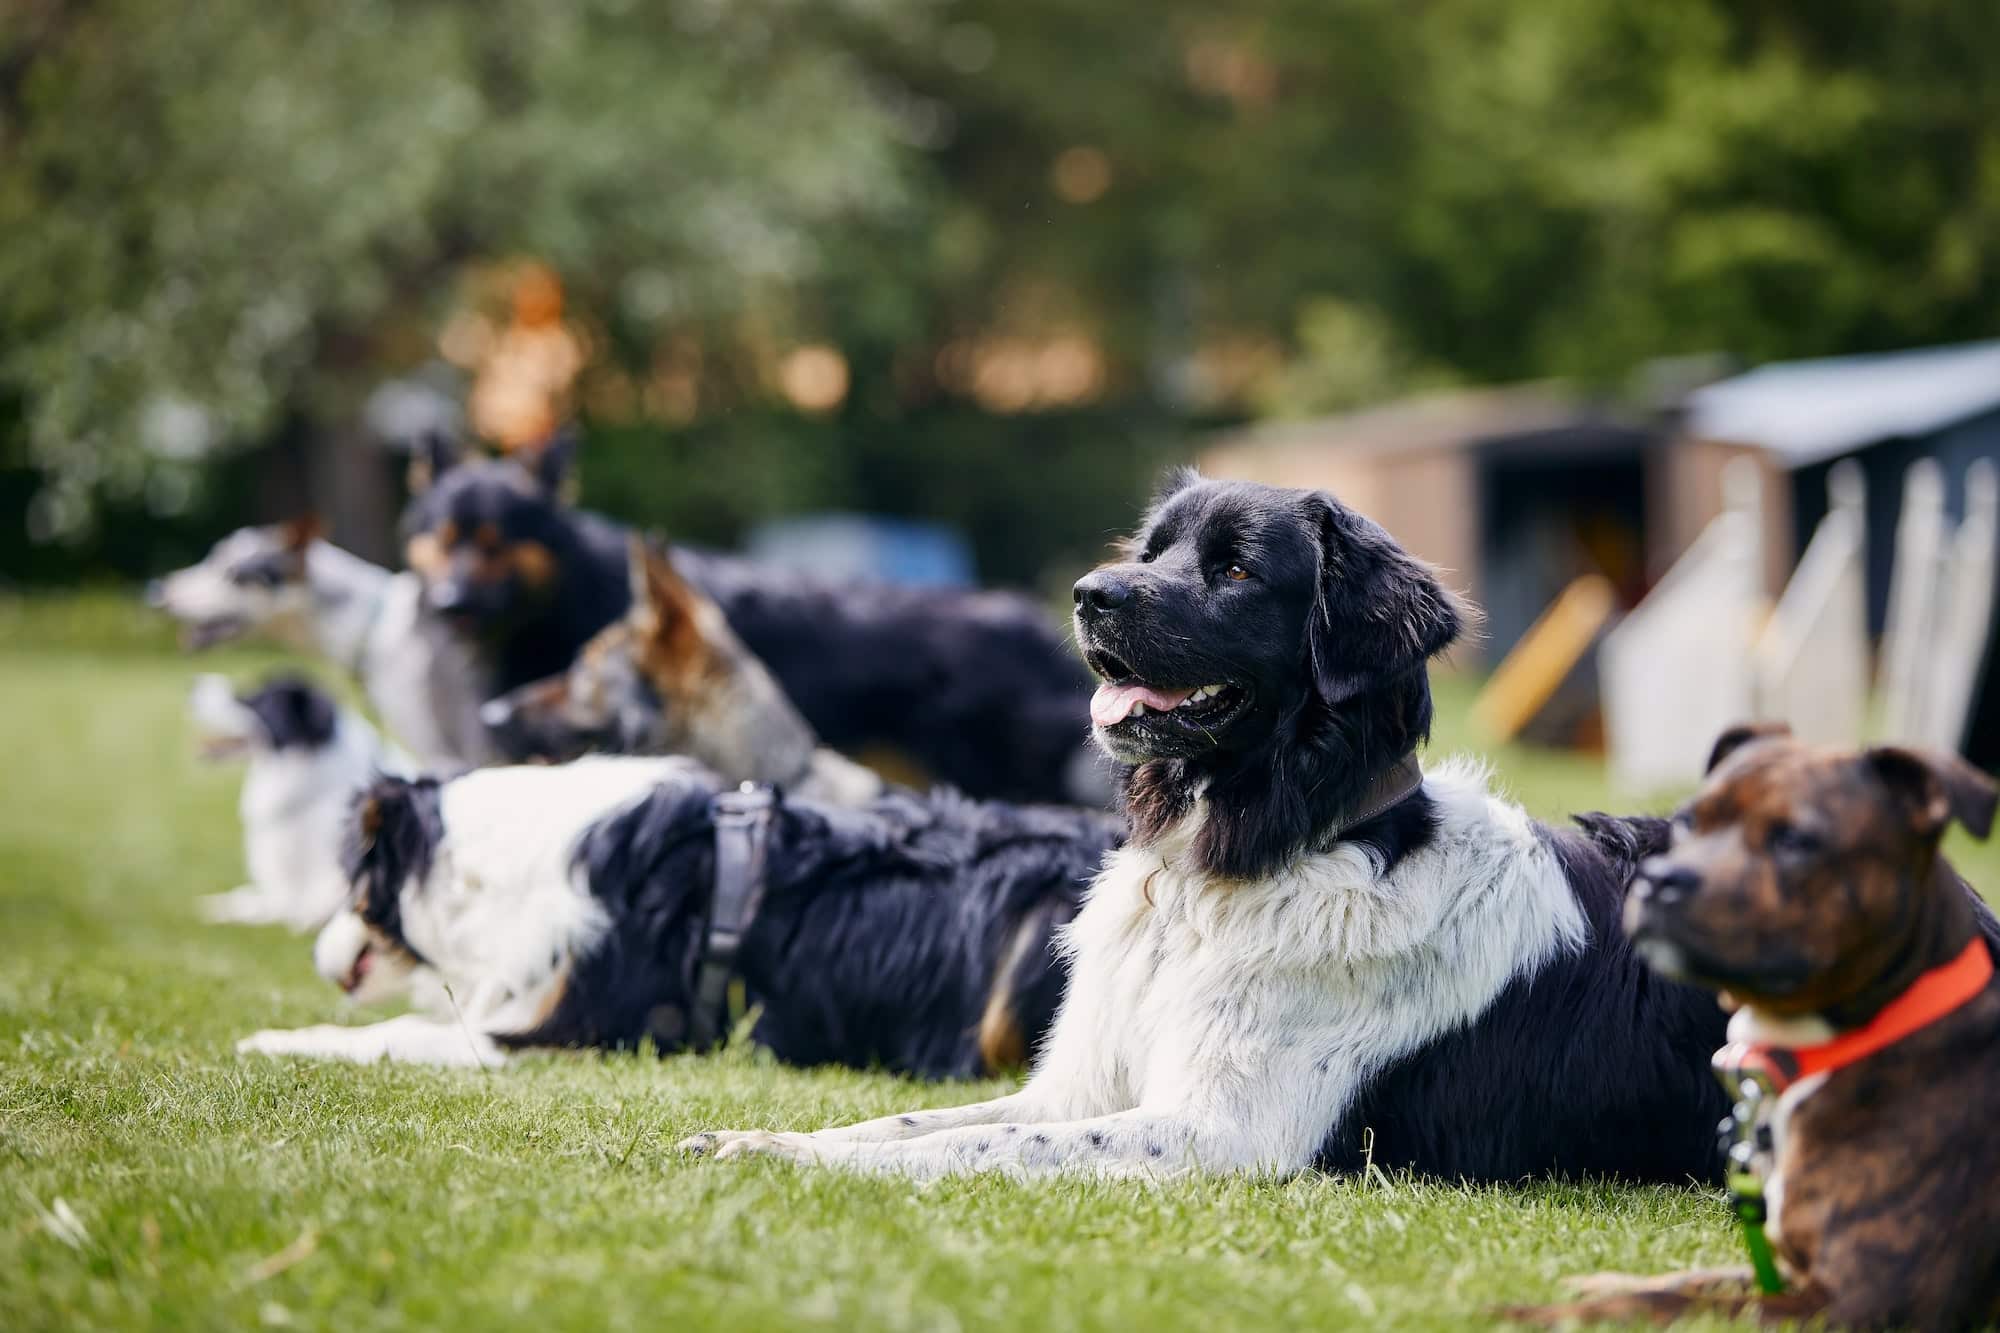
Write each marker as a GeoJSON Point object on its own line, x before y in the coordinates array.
{"type": "Point", "coordinates": [1379, 612]}
{"type": "Point", "coordinates": [433, 454]}
{"type": "Point", "coordinates": [1744, 733]}
{"type": "Point", "coordinates": [1936, 787]}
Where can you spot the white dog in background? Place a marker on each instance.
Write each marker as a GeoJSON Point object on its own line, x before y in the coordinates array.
{"type": "Point", "coordinates": [307, 758]}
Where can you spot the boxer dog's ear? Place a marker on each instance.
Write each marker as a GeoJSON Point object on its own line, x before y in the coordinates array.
{"type": "Point", "coordinates": [1734, 739]}
{"type": "Point", "coordinates": [1935, 788]}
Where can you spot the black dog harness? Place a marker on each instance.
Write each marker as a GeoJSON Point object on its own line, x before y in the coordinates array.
{"type": "Point", "coordinates": [742, 820]}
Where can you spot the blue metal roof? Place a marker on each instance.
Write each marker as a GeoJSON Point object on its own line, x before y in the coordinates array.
{"type": "Point", "coordinates": [1807, 411]}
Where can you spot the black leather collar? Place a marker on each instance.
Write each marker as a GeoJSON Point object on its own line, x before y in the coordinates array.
{"type": "Point", "coordinates": [1395, 785]}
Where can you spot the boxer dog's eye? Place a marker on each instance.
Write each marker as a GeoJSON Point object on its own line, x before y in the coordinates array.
{"type": "Point", "coordinates": [1783, 840]}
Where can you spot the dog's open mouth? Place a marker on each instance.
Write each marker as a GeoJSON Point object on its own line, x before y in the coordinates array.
{"type": "Point", "coordinates": [219, 747]}
{"type": "Point", "coordinates": [357, 971]}
{"type": "Point", "coordinates": [1124, 698]}
{"type": "Point", "coordinates": [202, 634]}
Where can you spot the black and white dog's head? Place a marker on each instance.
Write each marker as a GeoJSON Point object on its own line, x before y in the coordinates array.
{"type": "Point", "coordinates": [1265, 649]}
{"type": "Point", "coordinates": [254, 581]}
{"type": "Point", "coordinates": [395, 835]}
{"type": "Point", "coordinates": [477, 876]}
{"type": "Point", "coordinates": [284, 713]}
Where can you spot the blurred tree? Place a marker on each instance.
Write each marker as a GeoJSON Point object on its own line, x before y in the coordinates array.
{"type": "Point", "coordinates": [863, 253]}
{"type": "Point", "coordinates": [220, 215]}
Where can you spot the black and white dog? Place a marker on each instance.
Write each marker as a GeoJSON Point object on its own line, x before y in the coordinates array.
{"type": "Point", "coordinates": [978, 688]}
{"type": "Point", "coordinates": [307, 759]}
{"type": "Point", "coordinates": [1308, 939]}
{"type": "Point", "coordinates": [570, 906]}
{"type": "Point", "coordinates": [284, 581]}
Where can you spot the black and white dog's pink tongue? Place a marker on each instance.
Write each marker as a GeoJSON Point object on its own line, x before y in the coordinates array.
{"type": "Point", "coordinates": [1112, 704]}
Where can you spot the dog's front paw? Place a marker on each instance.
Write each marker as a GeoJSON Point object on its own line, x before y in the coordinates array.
{"type": "Point", "coordinates": [723, 1144]}
{"type": "Point", "coordinates": [287, 1041]}
{"type": "Point", "coordinates": [245, 906]}
{"type": "Point", "coordinates": [271, 1041]}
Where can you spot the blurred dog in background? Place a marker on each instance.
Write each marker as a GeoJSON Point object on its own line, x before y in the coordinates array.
{"type": "Point", "coordinates": [671, 677]}
{"type": "Point", "coordinates": [283, 581]}
{"type": "Point", "coordinates": [979, 689]}
{"type": "Point", "coordinates": [307, 759]}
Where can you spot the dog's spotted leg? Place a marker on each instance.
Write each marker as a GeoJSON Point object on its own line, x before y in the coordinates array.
{"type": "Point", "coordinates": [410, 1039]}
{"type": "Point", "coordinates": [1130, 1143]}
{"type": "Point", "coordinates": [1019, 1107]}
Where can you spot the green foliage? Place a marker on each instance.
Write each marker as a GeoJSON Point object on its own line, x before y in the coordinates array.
{"type": "Point", "coordinates": [219, 215]}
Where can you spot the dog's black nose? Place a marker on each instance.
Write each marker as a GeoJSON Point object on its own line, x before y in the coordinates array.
{"type": "Point", "coordinates": [1665, 884]}
{"type": "Point", "coordinates": [1101, 590]}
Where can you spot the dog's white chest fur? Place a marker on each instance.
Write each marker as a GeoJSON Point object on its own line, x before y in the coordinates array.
{"type": "Point", "coordinates": [1329, 967]}
{"type": "Point", "coordinates": [1748, 1025]}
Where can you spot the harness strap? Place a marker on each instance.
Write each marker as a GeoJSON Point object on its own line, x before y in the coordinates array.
{"type": "Point", "coordinates": [742, 820]}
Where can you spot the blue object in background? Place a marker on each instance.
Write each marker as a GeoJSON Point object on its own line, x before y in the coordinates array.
{"type": "Point", "coordinates": [866, 546]}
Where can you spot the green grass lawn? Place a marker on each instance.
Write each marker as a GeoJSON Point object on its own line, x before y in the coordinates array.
{"type": "Point", "coordinates": [153, 1178]}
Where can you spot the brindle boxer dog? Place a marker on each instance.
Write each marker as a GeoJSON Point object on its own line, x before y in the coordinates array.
{"type": "Point", "coordinates": [1806, 885]}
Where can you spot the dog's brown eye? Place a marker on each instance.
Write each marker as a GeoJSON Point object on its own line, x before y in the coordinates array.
{"type": "Point", "coordinates": [1784, 840]}
{"type": "Point", "coordinates": [1236, 572]}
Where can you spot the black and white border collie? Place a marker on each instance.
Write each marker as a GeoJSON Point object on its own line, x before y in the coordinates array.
{"type": "Point", "coordinates": [565, 906]}
{"type": "Point", "coordinates": [306, 760]}
{"type": "Point", "coordinates": [1304, 941]}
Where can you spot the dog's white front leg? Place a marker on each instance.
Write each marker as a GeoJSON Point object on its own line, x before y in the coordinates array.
{"type": "Point", "coordinates": [1127, 1143]}
{"type": "Point", "coordinates": [246, 905]}
{"type": "Point", "coordinates": [410, 1039]}
{"type": "Point", "coordinates": [1220, 1120]}
{"type": "Point", "coordinates": [1018, 1107]}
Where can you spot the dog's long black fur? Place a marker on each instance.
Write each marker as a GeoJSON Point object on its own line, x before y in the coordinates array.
{"type": "Point", "coordinates": [1591, 1064]}
{"type": "Point", "coordinates": [980, 688]}
{"type": "Point", "coordinates": [1592, 1067]}
{"type": "Point", "coordinates": [882, 934]}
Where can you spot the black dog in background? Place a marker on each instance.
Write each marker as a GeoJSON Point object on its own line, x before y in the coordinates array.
{"type": "Point", "coordinates": [980, 689]}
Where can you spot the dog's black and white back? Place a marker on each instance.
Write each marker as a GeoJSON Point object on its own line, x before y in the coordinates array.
{"type": "Point", "coordinates": [306, 759]}
{"type": "Point", "coordinates": [564, 906]}
{"type": "Point", "coordinates": [979, 688]}
{"type": "Point", "coordinates": [1303, 942]}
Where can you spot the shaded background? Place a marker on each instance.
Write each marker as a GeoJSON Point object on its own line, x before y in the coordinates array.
{"type": "Point", "coordinates": [988, 264]}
